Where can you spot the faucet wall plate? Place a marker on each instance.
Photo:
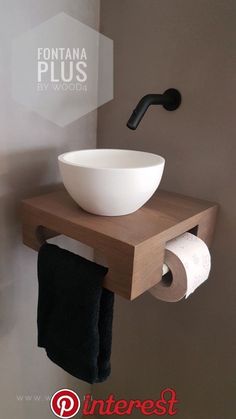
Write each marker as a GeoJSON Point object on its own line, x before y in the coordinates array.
{"type": "Point", "coordinates": [132, 245]}
{"type": "Point", "coordinates": [174, 99]}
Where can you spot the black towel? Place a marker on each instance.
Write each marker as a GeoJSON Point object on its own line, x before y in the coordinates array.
{"type": "Point", "coordinates": [74, 313]}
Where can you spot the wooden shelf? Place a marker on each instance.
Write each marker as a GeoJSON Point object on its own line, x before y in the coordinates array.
{"type": "Point", "coordinates": [132, 245]}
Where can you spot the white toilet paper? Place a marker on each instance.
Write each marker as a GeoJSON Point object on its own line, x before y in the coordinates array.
{"type": "Point", "coordinates": [188, 259]}
{"type": "Point", "coordinates": [195, 257]}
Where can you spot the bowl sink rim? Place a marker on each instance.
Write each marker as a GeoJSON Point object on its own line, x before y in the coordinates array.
{"type": "Point", "coordinates": [160, 161]}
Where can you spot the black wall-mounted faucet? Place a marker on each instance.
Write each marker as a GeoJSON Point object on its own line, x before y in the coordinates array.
{"type": "Point", "coordinates": [170, 100]}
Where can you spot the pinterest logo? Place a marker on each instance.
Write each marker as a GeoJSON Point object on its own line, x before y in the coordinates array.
{"type": "Point", "coordinates": [65, 403]}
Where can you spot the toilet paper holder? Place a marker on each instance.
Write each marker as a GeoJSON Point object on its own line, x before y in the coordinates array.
{"type": "Point", "coordinates": [133, 246]}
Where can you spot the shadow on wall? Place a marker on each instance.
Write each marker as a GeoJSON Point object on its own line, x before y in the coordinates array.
{"type": "Point", "coordinates": [25, 174]}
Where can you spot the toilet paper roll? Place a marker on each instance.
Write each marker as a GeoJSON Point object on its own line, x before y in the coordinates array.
{"type": "Point", "coordinates": [189, 262]}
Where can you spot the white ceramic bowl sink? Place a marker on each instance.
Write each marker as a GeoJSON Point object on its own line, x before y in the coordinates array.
{"type": "Point", "coordinates": [111, 182]}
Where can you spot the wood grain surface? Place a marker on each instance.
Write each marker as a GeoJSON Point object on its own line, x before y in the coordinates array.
{"type": "Point", "coordinates": [132, 245]}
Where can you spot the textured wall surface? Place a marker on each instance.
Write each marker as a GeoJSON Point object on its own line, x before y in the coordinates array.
{"type": "Point", "coordinates": [189, 45]}
{"type": "Point", "coordinates": [29, 146]}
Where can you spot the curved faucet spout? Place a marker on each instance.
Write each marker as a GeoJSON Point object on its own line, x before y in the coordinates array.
{"type": "Point", "coordinates": [170, 100]}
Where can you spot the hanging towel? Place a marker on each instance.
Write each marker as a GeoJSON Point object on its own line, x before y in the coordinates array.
{"type": "Point", "coordinates": [74, 313]}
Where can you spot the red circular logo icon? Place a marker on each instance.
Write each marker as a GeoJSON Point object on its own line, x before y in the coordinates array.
{"type": "Point", "coordinates": [65, 403]}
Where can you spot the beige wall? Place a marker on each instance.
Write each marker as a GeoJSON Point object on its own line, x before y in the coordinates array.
{"type": "Point", "coordinates": [29, 146]}
{"type": "Point", "coordinates": [189, 45]}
